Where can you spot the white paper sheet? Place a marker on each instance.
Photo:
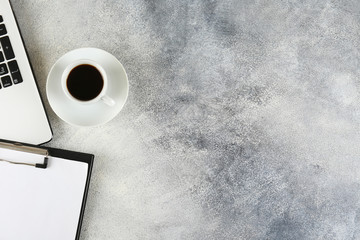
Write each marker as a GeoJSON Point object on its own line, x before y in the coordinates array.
{"type": "Point", "coordinates": [40, 203]}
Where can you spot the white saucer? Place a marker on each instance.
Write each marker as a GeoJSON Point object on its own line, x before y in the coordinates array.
{"type": "Point", "coordinates": [99, 112]}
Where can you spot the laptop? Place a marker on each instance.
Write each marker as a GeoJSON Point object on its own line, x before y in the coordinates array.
{"type": "Point", "coordinates": [22, 113]}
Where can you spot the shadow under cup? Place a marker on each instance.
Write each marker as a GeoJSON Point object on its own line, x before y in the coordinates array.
{"type": "Point", "coordinates": [84, 82]}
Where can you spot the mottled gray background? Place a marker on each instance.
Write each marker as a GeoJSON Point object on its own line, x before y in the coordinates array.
{"type": "Point", "coordinates": [242, 121]}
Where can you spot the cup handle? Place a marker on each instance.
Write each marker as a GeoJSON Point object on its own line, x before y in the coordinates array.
{"type": "Point", "coordinates": [108, 100]}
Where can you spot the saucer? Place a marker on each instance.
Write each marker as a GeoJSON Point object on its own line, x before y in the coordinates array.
{"type": "Point", "coordinates": [90, 114]}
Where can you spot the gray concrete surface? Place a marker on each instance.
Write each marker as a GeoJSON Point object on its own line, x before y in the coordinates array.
{"type": "Point", "coordinates": [242, 121]}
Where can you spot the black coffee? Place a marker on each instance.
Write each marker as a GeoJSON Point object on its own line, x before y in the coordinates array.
{"type": "Point", "coordinates": [84, 82]}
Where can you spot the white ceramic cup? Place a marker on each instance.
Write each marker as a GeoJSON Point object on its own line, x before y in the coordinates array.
{"type": "Point", "coordinates": [102, 96]}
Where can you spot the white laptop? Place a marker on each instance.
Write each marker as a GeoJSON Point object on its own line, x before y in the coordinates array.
{"type": "Point", "coordinates": [22, 114]}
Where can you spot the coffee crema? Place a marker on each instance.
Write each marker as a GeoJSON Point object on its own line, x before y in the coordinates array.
{"type": "Point", "coordinates": [84, 82]}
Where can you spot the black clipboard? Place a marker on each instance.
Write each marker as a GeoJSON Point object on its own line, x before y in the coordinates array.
{"type": "Point", "coordinates": [45, 164]}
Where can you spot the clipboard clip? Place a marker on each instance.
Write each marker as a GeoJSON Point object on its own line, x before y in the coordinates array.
{"type": "Point", "coordinates": [28, 149]}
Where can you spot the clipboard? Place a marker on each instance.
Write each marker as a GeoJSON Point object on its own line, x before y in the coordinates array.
{"type": "Point", "coordinates": [43, 191]}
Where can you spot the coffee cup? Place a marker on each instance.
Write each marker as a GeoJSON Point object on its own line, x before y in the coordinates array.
{"type": "Point", "coordinates": [87, 87]}
{"type": "Point", "coordinates": [85, 81]}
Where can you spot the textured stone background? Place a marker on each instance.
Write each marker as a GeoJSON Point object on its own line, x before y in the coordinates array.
{"type": "Point", "coordinates": [242, 121]}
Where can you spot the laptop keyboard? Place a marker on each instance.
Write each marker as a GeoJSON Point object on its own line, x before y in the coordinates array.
{"type": "Point", "coordinates": [9, 69]}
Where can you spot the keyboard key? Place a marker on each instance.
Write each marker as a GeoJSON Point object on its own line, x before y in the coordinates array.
{"type": "Point", "coordinates": [13, 66]}
{"type": "Point", "coordinates": [16, 78]}
{"type": "Point", "coordinates": [3, 69]}
{"type": "Point", "coordinates": [6, 45]}
{"type": "Point", "coordinates": [15, 72]}
{"type": "Point", "coordinates": [2, 29]}
{"type": "Point", "coordinates": [1, 19]}
{"type": "Point", "coordinates": [6, 81]}
{"type": "Point", "coordinates": [1, 57]}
